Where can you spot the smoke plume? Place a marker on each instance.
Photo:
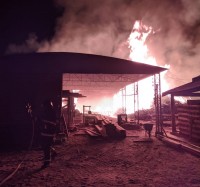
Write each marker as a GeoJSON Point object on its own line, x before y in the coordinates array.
{"type": "Point", "coordinates": [103, 27]}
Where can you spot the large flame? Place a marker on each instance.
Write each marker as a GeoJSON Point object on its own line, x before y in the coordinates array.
{"type": "Point", "coordinates": [139, 52]}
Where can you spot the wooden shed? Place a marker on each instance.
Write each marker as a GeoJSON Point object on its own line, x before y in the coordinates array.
{"type": "Point", "coordinates": [188, 114]}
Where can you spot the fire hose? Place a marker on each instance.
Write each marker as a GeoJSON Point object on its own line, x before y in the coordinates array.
{"type": "Point", "coordinates": [29, 110]}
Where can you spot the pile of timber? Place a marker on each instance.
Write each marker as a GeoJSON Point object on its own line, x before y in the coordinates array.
{"type": "Point", "coordinates": [106, 128]}
{"type": "Point", "coordinates": [189, 121]}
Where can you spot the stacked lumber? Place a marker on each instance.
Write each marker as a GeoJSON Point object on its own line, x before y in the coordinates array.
{"type": "Point", "coordinates": [104, 127]}
{"type": "Point", "coordinates": [189, 121]}
{"type": "Point", "coordinates": [109, 129]}
{"type": "Point", "coordinates": [113, 129]}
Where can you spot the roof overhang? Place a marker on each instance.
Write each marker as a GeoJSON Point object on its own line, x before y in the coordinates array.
{"type": "Point", "coordinates": [81, 71]}
{"type": "Point", "coordinates": [191, 89]}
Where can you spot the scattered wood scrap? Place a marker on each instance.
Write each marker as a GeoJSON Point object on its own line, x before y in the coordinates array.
{"type": "Point", "coordinates": [92, 132]}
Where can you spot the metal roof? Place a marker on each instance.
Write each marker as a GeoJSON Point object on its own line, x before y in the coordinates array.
{"type": "Point", "coordinates": [80, 71]}
{"type": "Point", "coordinates": [189, 89]}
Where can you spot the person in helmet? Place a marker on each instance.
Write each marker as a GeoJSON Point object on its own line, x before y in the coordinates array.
{"type": "Point", "coordinates": [48, 131]}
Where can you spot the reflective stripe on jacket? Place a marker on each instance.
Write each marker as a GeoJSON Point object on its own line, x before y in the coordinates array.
{"type": "Point", "coordinates": [48, 128]}
{"type": "Point", "coordinates": [49, 122]}
{"type": "Point", "coordinates": [47, 134]}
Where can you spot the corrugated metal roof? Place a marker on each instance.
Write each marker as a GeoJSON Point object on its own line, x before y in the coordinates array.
{"type": "Point", "coordinates": [74, 63]}
{"type": "Point", "coordinates": [189, 89]}
{"type": "Point", "coordinates": [80, 71]}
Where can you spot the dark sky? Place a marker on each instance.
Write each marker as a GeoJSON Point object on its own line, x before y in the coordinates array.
{"type": "Point", "coordinates": [102, 27]}
{"type": "Point", "coordinates": [21, 18]}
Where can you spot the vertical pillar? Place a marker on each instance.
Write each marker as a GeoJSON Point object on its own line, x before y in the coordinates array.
{"type": "Point", "coordinates": [157, 103]}
{"type": "Point", "coordinates": [173, 114]}
{"type": "Point", "coordinates": [125, 100]}
{"type": "Point", "coordinates": [123, 90]}
{"type": "Point", "coordinates": [83, 113]}
{"type": "Point", "coordinates": [136, 101]}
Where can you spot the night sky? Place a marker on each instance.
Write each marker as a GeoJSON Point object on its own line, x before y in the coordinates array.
{"type": "Point", "coordinates": [102, 27]}
{"type": "Point", "coordinates": [20, 19]}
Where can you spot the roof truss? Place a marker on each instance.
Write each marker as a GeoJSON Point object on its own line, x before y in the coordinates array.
{"type": "Point", "coordinates": [99, 81]}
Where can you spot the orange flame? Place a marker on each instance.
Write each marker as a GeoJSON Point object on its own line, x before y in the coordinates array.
{"type": "Point", "coordinates": [139, 52]}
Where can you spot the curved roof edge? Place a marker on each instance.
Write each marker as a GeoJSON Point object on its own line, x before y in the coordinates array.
{"type": "Point", "coordinates": [67, 62]}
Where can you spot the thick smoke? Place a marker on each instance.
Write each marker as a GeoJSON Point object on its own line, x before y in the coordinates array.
{"type": "Point", "coordinates": [102, 27]}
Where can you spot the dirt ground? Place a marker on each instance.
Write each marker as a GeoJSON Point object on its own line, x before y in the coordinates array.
{"type": "Point", "coordinates": [83, 161]}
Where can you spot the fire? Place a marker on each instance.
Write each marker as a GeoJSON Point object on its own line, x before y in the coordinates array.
{"type": "Point", "coordinates": [139, 52]}
{"type": "Point", "coordinates": [138, 49]}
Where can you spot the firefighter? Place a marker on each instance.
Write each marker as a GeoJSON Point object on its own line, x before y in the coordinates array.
{"type": "Point", "coordinates": [47, 131]}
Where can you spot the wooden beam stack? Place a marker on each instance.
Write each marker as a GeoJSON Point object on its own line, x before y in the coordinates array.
{"type": "Point", "coordinates": [189, 121]}
{"type": "Point", "coordinates": [109, 129]}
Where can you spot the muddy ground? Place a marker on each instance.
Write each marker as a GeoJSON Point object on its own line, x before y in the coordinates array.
{"type": "Point", "coordinates": [84, 161]}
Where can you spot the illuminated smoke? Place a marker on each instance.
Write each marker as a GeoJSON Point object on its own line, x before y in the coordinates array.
{"type": "Point", "coordinates": [85, 26]}
{"type": "Point", "coordinates": [103, 27]}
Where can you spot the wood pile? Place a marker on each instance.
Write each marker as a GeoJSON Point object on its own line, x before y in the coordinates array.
{"type": "Point", "coordinates": [106, 128]}
{"type": "Point", "coordinates": [189, 121]}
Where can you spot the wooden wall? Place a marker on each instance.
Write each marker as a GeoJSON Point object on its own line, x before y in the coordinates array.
{"type": "Point", "coordinates": [189, 121]}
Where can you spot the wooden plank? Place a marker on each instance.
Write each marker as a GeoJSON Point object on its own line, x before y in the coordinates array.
{"type": "Point", "coordinates": [113, 129]}
{"type": "Point", "coordinates": [196, 125]}
{"type": "Point", "coordinates": [195, 136]}
{"type": "Point", "coordinates": [197, 121]}
{"type": "Point", "coordinates": [183, 124]}
{"type": "Point", "coordinates": [194, 107]}
{"type": "Point", "coordinates": [121, 131]}
{"type": "Point", "coordinates": [183, 119]}
{"type": "Point", "coordinates": [101, 130]}
{"type": "Point", "coordinates": [185, 133]}
{"type": "Point", "coordinates": [92, 133]}
{"type": "Point", "coordinates": [196, 128]}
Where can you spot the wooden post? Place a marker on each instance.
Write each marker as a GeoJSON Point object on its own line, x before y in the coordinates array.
{"type": "Point", "coordinates": [173, 114]}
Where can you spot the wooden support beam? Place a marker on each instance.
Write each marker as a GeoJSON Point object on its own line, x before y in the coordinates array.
{"type": "Point", "coordinates": [173, 114]}
{"type": "Point", "coordinates": [187, 94]}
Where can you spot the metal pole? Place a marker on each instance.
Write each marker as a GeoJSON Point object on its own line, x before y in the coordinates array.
{"type": "Point", "coordinates": [125, 100]}
{"type": "Point", "coordinates": [137, 90]}
{"type": "Point", "coordinates": [83, 113]}
{"type": "Point", "coordinates": [122, 101]}
{"type": "Point", "coordinates": [160, 107]}
{"type": "Point", "coordinates": [155, 103]}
